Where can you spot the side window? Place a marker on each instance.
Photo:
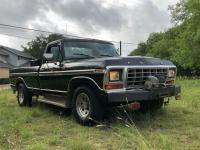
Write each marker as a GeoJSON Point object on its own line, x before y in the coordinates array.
{"type": "Point", "coordinates": [56, 53]}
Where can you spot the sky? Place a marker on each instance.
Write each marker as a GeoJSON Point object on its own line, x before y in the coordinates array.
{"type": "Point", "coordinates": [127, 20]}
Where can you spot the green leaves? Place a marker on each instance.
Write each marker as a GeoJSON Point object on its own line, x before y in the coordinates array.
{"type": "Point", "coordinates": [181, 43]}
{"type": "Point", "coordinates": [141, 50]}
{"type": "Point", "coordinates": [37, 46]}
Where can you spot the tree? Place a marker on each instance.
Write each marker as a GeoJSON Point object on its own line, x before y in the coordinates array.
{"type": "Point", "coordinates": [140, 50]}
{"type": "Point", "coordinates": [180, 43]}
{"type": "Point", "coordinates": [187, 14]}
{"type": "Point", "coordinates": [37, 46]}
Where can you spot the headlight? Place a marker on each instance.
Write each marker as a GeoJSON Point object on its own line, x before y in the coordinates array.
{"type": "Point", "coordinates": [114, 75]}
{"type": "Point", "coordinates": [171, 73]}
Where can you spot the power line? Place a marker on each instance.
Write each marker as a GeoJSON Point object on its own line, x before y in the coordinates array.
{"type": "Point", "coordinates": [8, 28]}
{"type": "Point", "coordinates": [26, 38]}
{"type": "Point", "coordinates": [29, 29]}
{"type": "Point", "coordinates": [49, 32]}
{"type": "Point", "coordinates": [127, 43]}
{"type": "Point", "coordinates": [36, 30]}
{"type": "Point", "coordinates": [23, 28]}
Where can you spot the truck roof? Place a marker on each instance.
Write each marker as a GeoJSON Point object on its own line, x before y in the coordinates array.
{"type": "Point", "coordinates": [80, 40]}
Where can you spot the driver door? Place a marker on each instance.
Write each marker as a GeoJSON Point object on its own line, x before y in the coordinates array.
{"type": "Point", "coordinates": [52, 80]}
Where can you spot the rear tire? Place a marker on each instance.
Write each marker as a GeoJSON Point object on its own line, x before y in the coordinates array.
{"type": "Point", "coordinates": [86, 108]}
{"type": "Point", "coordinates": [24, 97]}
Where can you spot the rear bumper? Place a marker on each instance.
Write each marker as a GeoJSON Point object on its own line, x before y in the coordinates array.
{"type": "Point", "coordinates": [128, 96]}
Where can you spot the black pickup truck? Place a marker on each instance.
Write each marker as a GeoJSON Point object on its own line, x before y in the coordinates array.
{"type": "Point", "coordinates": [88, 75]}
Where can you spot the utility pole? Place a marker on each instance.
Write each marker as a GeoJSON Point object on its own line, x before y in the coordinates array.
{"type": "Point", "coordinates": [120, 48]}
{"type": "Point", "coordinates": [66, 28]}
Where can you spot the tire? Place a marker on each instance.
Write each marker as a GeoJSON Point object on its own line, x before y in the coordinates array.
{"type": "Point", "coordinates": [24, 97]}
{"type": "Point", "coordinates": [152, 105]}
{"type": "Point", "coordinates": [87, 110]}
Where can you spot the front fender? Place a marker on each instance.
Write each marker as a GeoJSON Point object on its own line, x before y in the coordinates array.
{"type": "Point", "coordinates": [83, 79]}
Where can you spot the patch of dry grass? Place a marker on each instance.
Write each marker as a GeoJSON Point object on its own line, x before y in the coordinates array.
{"type": "Point", "coordinates": [176, 126]}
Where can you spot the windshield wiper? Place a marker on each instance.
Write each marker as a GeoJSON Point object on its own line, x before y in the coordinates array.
{"type": "Point", "coordinates": [107, 55]}
{"type": "Point", "coordinates": [80, 54]}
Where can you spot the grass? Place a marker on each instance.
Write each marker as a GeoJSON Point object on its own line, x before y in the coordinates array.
{"type": "Point", "coordinates": [176, 126]}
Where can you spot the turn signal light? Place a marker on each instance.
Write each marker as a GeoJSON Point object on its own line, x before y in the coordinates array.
{"type": "Point", "coordinates": [112, 86]}
{"type": "Point", "coordinates": [170, 82]}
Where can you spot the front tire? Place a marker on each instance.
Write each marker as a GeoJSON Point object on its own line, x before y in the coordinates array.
{"type": "Point", "coordinates": [24, 97]}
{"type": "Point", "coordinates": [87, 109]}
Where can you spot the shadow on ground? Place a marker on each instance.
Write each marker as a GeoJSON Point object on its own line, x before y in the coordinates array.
{"type": "Point", "coordinates": [124, 115]}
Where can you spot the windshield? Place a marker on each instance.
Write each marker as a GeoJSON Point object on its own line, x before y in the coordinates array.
{"type": "Point", "coordinates": [89, 50]}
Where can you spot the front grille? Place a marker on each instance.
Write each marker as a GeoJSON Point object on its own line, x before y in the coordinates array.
{"type": "Point", "coordinates": [137, 77]}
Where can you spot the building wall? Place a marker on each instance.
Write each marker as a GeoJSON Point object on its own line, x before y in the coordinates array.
{"type": "Point", "coordinates": [3, 58]}
{"type": "Point", "coordinates": [14, 59]}
{"type": "Point", "coordinates": [4, 73]}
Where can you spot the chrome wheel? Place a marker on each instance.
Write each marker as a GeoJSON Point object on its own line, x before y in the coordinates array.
{"type": "Point", "coordinates": [83, 105]}
{"type": "Point", "coordinates": [20, 96]}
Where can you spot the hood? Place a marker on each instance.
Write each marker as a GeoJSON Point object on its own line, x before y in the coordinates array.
{"type": "Point", "coordinates": [118, 61]}
{"type": "Point", "coordinates": [135, 61]}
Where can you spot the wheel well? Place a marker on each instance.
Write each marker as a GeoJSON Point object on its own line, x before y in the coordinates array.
{"type": "Point", "coordinates": [19, 80]}
{"type": "Point", "coordinates": [82, 82]}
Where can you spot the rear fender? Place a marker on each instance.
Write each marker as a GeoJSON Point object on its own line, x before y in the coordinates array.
{"type": "Point", "coordinates": [20, 80]}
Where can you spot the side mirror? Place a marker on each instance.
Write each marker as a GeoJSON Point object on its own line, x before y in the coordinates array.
{"type": "Point", "coordinates": [37, 62]}
{"type": "Point", "coordinates": [48, 56]}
